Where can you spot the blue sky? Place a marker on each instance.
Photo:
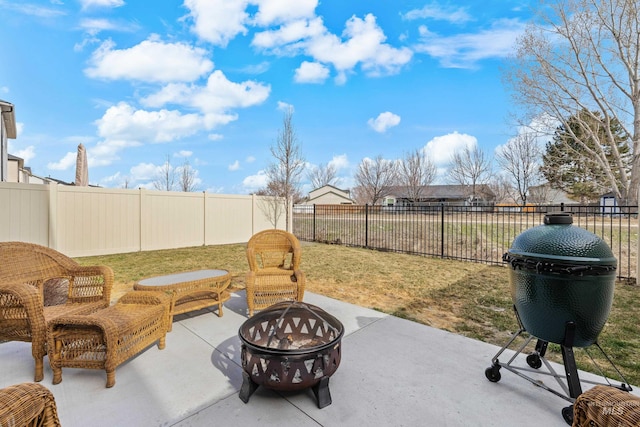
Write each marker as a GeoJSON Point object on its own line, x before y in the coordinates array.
{"type": "Point", "coordinates": [207, 81]}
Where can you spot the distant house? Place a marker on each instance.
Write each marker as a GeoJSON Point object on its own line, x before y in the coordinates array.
{"type": "Point", "coordinates": [328, 195]}
{"type": "Point", "coordinates": [18, 172]}
{"type": "Point", "coordinates": [449, 194]}
{"type": "Point", "coordinates": [7, 131]}
{"type": "Point", "coordinates": [545, 195]}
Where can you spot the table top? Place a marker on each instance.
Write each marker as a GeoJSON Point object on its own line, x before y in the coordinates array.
{"type": "Point", "coordinates": [187, 276]}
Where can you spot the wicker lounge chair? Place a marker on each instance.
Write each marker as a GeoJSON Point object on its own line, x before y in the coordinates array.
{"type": "Point", "coordinates": [28, 404]}
{"type": "Point", "coordinates": [274, 264]}
{"type": "Point", "coordinates": [109, 337]}
{"type": "Point", "coordinates": [25, 271]}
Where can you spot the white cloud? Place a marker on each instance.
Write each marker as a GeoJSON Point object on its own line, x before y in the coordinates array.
{"type": "Point", "coordinates": [311, 72]}
{"type": "Point", "coordinates": [234, 166]}
{"type": "Point", "coordinates": [465, 50]}
{"type": "Point", "coordinates": [93, 26]}
{"type": "Point", "coordinates": [144, 171]}
{"type": "Point", "coordinates": [441, 148]}
{"type": "Point", "coordinates": [250, 159]}
{"type": "Point", "coordinates": [68, 161]}
{"type": "Point", "coordinates": [541, 129]}
{"type": "Point", "coordinates": [150, 61]}
{"type": "Point", "coordinates": [216, 97]}
{"type": "Point", "coordinates": [27, 153]}
{"type": "Point", "coordinates": [123, 122]}
{"type": "Point", "coordinates": [283, 106]}
{"type": "Point", "coordinates": [278, 11]}
{"type": "Point", "coordinates": [215, 137]}
{"type": "Point", "coordinates": [255, 182]}
{"type": "Point", "coordinates": [362, 43]}
{"type": "Point", "coordinates": [289, 38]}
{"type": "Point", "coordinates": [184, 153]}
{"type": "Point", "coordinates": [218, 21]}
{"type": "Point", "coordinates": [32, 10]}
{"type": "Point", "coordinates": [437, 12]}
{"type": "Point", "coordinates": [255, 69]}
{"type": "Point", "coordinates": [384, 121]}
{"type": "Point", "coordinates": [339, 162]}
{"type": "Point", "coordinates": [101, 3]}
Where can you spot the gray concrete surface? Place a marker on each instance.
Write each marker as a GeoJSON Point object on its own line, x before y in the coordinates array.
{"type": "Point", "coordinates": [393, 372]}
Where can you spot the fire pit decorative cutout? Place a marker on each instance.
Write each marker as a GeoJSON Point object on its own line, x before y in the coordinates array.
{"type": "Point", "coordinates": [290, 346]}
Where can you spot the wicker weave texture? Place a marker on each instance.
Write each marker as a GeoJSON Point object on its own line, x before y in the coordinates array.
{"type": "Point", "coordinates": [274, 258]}
{"type": "Point", "coordinates": [25, 271]}
{"type": "Point", "coordinates": [108, 337]}
{"type": "Point", "coordinates": [29, 405]}
{"type": "Point", "coordinates": [606, 406]}
{"type": "Point", "coordinates": [194, 295]}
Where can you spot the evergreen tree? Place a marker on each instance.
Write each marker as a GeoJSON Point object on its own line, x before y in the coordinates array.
{"type": "Point", "coordinates": [570, 162]}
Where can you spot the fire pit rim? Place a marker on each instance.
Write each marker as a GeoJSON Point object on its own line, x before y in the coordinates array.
{"type": "Point", "coordinates": [338, 327]}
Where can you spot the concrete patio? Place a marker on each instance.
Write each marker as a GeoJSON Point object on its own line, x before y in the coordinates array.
{"type": "Point", "coordinates": [393, 372]}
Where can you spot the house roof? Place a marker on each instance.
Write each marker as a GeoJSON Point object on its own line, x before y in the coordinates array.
{"type": "Point", "coordinates": [9, 118]}
{"type": "Point", "coordinates": [444, 191]}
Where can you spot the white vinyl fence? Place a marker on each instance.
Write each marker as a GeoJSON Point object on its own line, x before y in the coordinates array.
{"type": "Point", "coordinates": [86, 221]}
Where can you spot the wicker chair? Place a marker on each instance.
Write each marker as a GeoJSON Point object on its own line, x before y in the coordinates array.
{"type": "Point", "coordinates": [605, 406]}
{"type": "Point", "coordinates": [26, 269]}
{"type": "Point", "coordinates": [274, 264]}
{"type": "Point", "coordinates": [28, 404]}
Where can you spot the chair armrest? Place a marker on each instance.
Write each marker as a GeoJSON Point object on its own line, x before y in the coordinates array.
{"type": "Point", "coordinates": [22, 301]}
{"type": "Point", "coordinates": [21, 404]}
{"type": "Point", "coordinates": [91, 283]}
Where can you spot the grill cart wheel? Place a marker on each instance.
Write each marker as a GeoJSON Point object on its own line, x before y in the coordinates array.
{"type": "Point", "coordinates": [534, 361]}
{"type": "Point", "coordinates": [567, 414]}
{"type": "Point", "coordinates": [493, 373]}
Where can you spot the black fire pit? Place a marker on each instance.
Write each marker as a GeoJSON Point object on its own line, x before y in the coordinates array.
{"type": "Point", "coordinates": [290, 346]}
{"type": "Point", "coordinates": [562, 280]}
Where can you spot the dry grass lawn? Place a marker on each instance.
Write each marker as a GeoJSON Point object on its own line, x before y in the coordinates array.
{"type": "Point", "coordinates": [462, 297]}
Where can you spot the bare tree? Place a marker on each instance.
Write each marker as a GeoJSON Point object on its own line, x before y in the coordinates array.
{"type": "Point", "coordinates": [187, 177]}
{"type": "Point", "coordinates": [322, 175]}
{"type": "Point", "coordinates": [415, 171]}
{"type": "Point", "coordinates": [374, 178]}
{"type": "Point", "coordinates": [502, 189]}
{"type": "Point", "coordinates": [271, 204]}
{"type": "Point", "coordinates": [283, 176]}
{"type": "Point", "coordinates": [519, 159]}
{"type": "Point", "coordinates": [166, 176]}
{"type": "Point", "coordinates": [470, 167]}
{"type": "Point", "coordinates": [584, 56]}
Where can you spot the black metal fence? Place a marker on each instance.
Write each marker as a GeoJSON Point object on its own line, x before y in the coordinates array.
{"type": "Point", "coordinates": [470, 233]}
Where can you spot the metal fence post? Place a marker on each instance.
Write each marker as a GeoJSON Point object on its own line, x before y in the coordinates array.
{"type": "Point", "coordinates": [441, 230]}
{"type": "Point", "coordinates": [366, 225]}
{"type": "Point", "coordinates": [314, 223]}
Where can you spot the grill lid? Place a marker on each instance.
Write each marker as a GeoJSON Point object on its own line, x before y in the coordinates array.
{"type": "Point", "coordinates": [558, 246]}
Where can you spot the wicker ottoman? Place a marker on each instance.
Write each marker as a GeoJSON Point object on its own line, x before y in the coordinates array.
{"type": "Point", "coordinates": [604, 406]}
{"type": "Point", "coordinates": [108, 337]}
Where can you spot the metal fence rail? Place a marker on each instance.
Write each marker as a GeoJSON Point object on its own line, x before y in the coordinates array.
{"type": "Point", "coordinates": [470, 233]}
